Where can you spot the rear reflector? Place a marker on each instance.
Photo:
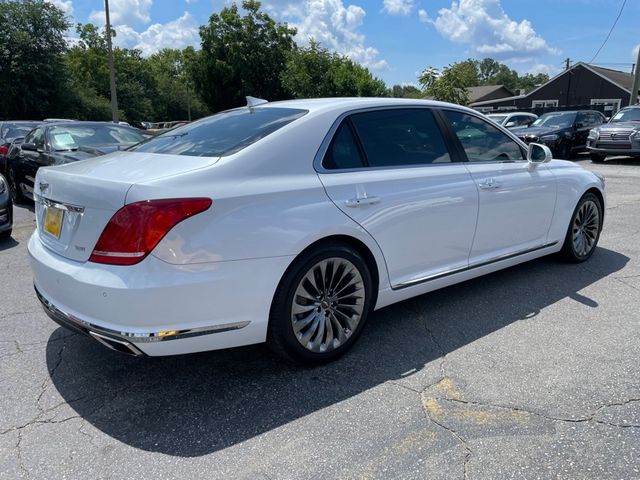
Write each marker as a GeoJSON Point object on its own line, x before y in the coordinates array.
{"type": "Point", "coordinates": [4, 149]}
{"type": "Point", "coordinates": [135, 230]}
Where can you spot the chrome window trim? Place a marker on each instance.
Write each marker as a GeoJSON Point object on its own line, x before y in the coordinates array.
{"type": "Point", "coordinates": [326, 142]}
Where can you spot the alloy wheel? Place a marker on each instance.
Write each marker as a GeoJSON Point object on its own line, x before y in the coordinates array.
{"type": "Point", "coordinates": [586, 226]}
{"type": "Point", "coordinates": [328, 305]}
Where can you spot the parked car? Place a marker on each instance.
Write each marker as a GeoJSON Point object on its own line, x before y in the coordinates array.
{"type": "Point", "coordinates": [59, 143]}
{"type": "Point", "coordinates": [565, 133]}
{"type": "Point", "coordinates": [513, 119]}
{"type": "Point", "coordinates": [289, 222]}
{"type": "Point", "coordinates": [621, 136]}
{"type": "Point", "coordinates": [6, 209]}
{"type": "Point", "coordinates": [10, 131]}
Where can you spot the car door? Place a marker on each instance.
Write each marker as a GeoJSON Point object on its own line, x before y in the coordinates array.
{"type": "Point", "coordinates": [516, 200]}
{"type": "Point", "coordinates": [392, 173]}
{"type": "Point", "coordinates": [33, 160]}
{"type": "Point", "coordinates": [584, 123]}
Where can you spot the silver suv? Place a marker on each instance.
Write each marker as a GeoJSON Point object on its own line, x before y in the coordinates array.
{"type": "Point", "coordinates": [621, 136]}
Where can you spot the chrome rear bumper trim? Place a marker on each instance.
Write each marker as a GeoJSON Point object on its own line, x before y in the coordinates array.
{"type": "Point", "coordinates": [81, 326]}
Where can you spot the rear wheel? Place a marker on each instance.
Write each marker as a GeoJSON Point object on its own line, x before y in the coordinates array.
{"type": "Point", "coordinates": [5, 234]}
{"type": "Point", "coordinates": [14, 188]}
{"type": "Point", "coordinates": [321, 305]}
{"type": "Point", "coordinates": [597, 157]}
{"type": "Point", "coordinates": [584, 230]}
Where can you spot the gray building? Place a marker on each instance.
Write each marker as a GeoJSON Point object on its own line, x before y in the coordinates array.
{"type": "Point", "coordinates": [582, 85]}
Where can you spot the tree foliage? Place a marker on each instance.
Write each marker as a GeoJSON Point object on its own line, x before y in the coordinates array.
{"type": "Point", "coordinates": [316, 72]}
{"type": "Point", "coordinates": [32, 73]}
{"type": "Point", "coordinates": [242, 55]}
{"type": "Point", "coordinates": [405, 91]}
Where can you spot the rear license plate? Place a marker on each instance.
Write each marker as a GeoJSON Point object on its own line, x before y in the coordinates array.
{"type": "Point", "coordinates": [53, 221]}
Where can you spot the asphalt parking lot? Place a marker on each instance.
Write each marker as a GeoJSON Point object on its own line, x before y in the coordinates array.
{"type": "Point", "coordinates": [531, 372]}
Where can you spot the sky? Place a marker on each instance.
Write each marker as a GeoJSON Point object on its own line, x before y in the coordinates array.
{"type": "Point", "coordinates": [397, 39]}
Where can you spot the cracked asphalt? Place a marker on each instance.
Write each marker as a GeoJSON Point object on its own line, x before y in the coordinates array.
{"type": "Point", "coordinates": [528, 373]}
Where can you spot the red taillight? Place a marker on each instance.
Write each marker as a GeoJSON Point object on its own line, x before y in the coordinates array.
{"type": "Point", "coordinates": [4, 150]}
{"type": "Point", "coordinates": [135, 230]}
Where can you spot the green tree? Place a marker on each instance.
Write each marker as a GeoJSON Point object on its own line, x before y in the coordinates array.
{"type": "Point", "coordinates": [451, 84]}
{"type": "Point", "coordinates": [87, 63]}
{"type": "Point", "coordinates": [316, 72]}
{"type": "Point", "coordinates": [242, 55]}
{"type": "Point", "coordinates": [405, 91]}
{"type": "Point", "coordinates": [175, 98]}
{"type": "Point", "coordinates": [529, 81]}
{"type": "Point", "coordinates": [32, 74]}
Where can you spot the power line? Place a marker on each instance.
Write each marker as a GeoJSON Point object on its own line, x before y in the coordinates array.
{"type": "Point", "coordinates": [624, 2]}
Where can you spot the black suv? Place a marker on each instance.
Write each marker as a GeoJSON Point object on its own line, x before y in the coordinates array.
{"type": "Point", "coordinates": [564, 133]}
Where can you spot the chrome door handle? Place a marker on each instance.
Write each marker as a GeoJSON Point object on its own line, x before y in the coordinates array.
{"type": "Point", "coordinates": [489, 184]}
{"type": "Point", "coordinates": [357, 202]}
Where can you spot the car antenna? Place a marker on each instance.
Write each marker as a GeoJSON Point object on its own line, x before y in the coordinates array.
{"type": "Point", "coordinates": [254, 102]}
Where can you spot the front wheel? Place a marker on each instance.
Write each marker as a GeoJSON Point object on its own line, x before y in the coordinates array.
{"type": "Point", "coordinates": [584, 230]}
{"type": "Point", "coordinates": [563, 151]}
{"type": "Point", "coordinates": [321, 305]}
{"type": "Point", "coordinates": [597, 157]}
{"type": "Point", "coordinates": [14, 188]}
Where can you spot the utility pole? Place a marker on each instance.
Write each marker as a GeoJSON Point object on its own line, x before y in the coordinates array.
{"type": "Point", "coordinates": [636, 82]}
{"type": "Point", "coordinates": [112, 72]}
{"type": "Point", "coordinates": [567, 63]}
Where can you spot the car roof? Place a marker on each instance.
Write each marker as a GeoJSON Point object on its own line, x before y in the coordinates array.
{"type": "Point", "coordinates": [80, 123]}
{"type": "Point", "coordinates": [340, 104]}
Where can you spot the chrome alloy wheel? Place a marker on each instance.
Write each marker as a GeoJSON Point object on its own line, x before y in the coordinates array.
{"type": "Point", "coordinates": [328, 305]}
{"type": "Point", "coordinates": [585, 228]}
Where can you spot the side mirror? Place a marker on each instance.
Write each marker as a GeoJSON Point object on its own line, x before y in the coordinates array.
{"type": "Point", "coordinates": [29, 147]}
{"type": "Point", "coordinates": [537, 153]}
{"type": "Point", "coordinates": [579, 125]}
{"type": "Point", "coordinates": [510, 124]}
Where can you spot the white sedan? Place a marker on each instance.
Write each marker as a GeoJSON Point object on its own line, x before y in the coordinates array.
{"type": "Point", "coordinates": [289, 222]}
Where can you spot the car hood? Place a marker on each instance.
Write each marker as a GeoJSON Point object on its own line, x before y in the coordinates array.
{"type": "Point", "coordinates": [537, 131]}
{"type": "Point", "coordinates": [621, 126]}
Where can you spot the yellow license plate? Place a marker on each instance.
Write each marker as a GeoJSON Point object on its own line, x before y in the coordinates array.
{"type": "Point", "coordinates": [53, 221]}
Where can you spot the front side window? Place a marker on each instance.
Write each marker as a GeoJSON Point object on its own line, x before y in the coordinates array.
{"type": "Point", "coordinates": [222, 134]}
{"type": "Point", "coordinates": [397, 137]}
{"type": "Point", "coordinates": [481, 141]}
{"type": "Point", "coordinates": [36, 137]}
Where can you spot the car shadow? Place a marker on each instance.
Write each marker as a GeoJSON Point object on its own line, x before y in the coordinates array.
{"type": "Point", "coordinates": [7, 243]}
{"type": "Point", "coordinates": [192, 405]}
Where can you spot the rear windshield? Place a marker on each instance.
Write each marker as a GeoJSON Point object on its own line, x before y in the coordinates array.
{"type": "Point", "coordinates": [223, 134]}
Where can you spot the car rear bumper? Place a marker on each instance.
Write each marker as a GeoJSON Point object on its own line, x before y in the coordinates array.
{"type": "Point", "coordinates": [156, 308]}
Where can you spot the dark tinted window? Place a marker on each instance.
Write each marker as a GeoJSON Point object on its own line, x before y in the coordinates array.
{"type": "Point", "coordinates": [343, 151]}
{"type": "Point", "coordinates": [482, 142]}
{"type": "Point", "coordinates": [36, 137]}
{"type": "Point", "coordinates": [222, 134]}
{"type": "Point", "coordinates": [400, 137]}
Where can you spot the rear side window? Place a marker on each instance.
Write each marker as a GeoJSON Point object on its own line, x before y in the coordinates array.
{"type": "Point", "coordinates": [399, 137]}
{"type": "Point", "coordinates": [343, 152]}
{"type": "Point", "coordinates": [223, 134]}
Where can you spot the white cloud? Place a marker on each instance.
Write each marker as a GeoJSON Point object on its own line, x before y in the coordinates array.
{"type": "Point", "coordinates": [65, 5]}
{"type": "Point", "coordinates": [332, 23]}
{"type": "Point", "coordinates": [484, 25]}
{"type": "Point", "coordinates": [550, 70]}
{"type": "Point", "coordinates": [398, 7]}
{"type": "Point", "coordinates": [423, 16]}
{"type": "Point", "coordinates": [124, 12]}
{"type": "Point", "coordinates": [178, 33]}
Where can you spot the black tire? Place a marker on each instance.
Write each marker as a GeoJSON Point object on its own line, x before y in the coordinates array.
{"type": "Point", "coordinates": [570, 252]}
{"type": "Point", "coordinates": [5, 234]}
{"type": "Point", "coordinates": [563, 151]}
{"type": "Point", "coordinates": [281, 337]}
{"type": "Point", "coordinates": [16, 194]}
{"type": "Point", "coordinates": [597, 157]}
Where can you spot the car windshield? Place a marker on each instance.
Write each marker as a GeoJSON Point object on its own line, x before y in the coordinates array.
{"type": "Point", "coordinates": [222, 134]}
{"type": "Point", "coordinates": [559, 120]}
{"type": "Point", "coordinates": [499, 119]}
{"type": "Point", "coordinates": [15, 130]}
{"type": "Point", "coordinates": [630, 115]}
{"type": "Point", "coordinates": [71, 137]}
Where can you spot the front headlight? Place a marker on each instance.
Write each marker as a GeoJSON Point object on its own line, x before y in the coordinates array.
{"type": "Point", "coordinates": [635, 135]}
{"type": "Point", "coordinates": [3, 185]}
{"type": "Point", "coordinates": [593, 134]}
{"type": "Point", "coordinates": [549, 138]}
